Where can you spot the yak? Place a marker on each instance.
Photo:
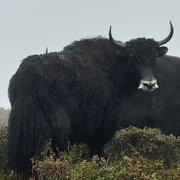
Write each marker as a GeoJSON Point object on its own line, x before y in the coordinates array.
{"type": "Point", "coordinates": [159, 109]}
{"type": "Point", "coordinates": [85, 93]}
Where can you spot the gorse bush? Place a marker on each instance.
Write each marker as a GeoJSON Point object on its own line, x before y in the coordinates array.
{"type": "Point", "coordinates": [73, 164]}
{"type": "Point", "coordinates": [149, 143]}
{"type": "Point", "coordinates": [3, 150]}
{"type": "Point", "coordinates": [5, 172]}
{"type": "Point", "coordinates": [132, 154]}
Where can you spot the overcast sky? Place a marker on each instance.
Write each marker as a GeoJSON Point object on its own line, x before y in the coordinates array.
{"type": "Point", "coordinates": [28, 27]}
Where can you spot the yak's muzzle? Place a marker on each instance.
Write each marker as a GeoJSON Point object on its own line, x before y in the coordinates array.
{"type": "Point", "coordinates": [148, 85]}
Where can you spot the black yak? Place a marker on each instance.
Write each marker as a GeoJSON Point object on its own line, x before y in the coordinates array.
{"type": "Point", "coordinates": [159, 109]}
{"type": "Point", "coordinates": [81, 94]}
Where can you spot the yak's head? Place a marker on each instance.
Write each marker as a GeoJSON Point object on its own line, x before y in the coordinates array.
{"type": "Point", "coordinates": [141, 55]}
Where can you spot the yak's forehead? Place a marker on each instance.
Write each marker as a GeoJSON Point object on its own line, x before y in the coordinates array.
{"type": "Point", "coordinates": [141, 45]}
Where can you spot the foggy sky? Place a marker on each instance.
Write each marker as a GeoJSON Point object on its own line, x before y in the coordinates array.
{"type": "Point", "coordinates": [28, 27]}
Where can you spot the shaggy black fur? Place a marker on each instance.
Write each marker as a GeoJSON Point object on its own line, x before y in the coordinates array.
{"type": "Point", "coordinates": [82, 94]}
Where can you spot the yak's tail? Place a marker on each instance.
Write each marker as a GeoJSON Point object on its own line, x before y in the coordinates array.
{"type": "Point", "coordinates": [28, 132]}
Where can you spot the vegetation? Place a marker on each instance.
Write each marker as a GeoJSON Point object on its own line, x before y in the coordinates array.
{"type": "Point", "coordinates": [3, 151]}
{"type": "Point", "coordinates": [132, 154]}
{"type": "Point", "coordinates": [4, 170]}
{"type": "Point", "coordinates": [148, 143]}
{"type": "Point", "coordinates": [4, 115]}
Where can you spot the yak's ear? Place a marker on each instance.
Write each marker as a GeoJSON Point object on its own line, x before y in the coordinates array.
{"type": "Point", "coordinates": [162, 51]}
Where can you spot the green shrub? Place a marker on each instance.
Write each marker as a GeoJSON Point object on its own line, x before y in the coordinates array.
{"type": "Point", "coordinates": [137, 154]}
{"type": "Point", "coordinates": [73, 164]}
{"type": "Point", "coordinates": [132, 154]}
{"type": "Point", "coordinates": [149, 143]}
{"type": "Point", "coordinates": [3, 150]}
{"type": "Point", "coordinates": [5, 172]}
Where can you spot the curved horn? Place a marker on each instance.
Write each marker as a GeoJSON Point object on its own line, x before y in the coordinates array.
{"type": "Point", "coordinates": [117, 44]}
{"type": "Point", "coordinates": [164, 41]}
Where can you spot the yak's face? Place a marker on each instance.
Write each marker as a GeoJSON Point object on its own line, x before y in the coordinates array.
{"type": "Point", "coordinates": [140, 58]}
{"type": "Point", "coordinates": [141, 55]}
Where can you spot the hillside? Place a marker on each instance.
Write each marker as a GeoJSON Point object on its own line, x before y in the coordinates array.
{"type": "Point", "coordinates": [4, 115]}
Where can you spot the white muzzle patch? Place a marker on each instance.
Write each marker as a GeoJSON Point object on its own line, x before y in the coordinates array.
{"type": "Point", "coordinates": [148, 85]}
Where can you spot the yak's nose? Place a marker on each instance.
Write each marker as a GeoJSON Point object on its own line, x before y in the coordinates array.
{"type": "Point", "coordinates": [148, 85]}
